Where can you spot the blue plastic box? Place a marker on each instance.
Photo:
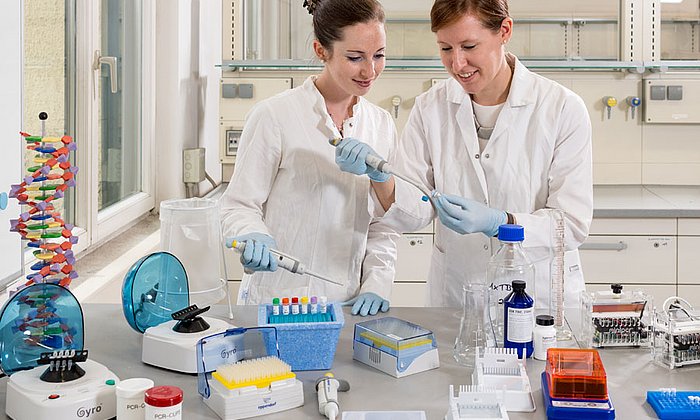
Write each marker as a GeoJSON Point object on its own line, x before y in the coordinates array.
{"type": "Point", "coordinates": [306, 345]}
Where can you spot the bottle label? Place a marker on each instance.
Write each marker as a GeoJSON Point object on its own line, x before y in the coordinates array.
{"type": "Point", "coordinates": [520, 325]}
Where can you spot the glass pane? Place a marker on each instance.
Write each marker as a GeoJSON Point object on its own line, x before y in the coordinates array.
{"type": "Point", "coordinates": [119, 146]}
{"type": "Point", "coordinates": [565, 29]}
{"type": "Point", "coordinates": [49, 78]}
{"type": "Point", "coordinates": [680, 30]}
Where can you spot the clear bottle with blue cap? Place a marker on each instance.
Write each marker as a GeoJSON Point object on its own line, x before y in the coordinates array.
{"type": "Point", "coordinates": [509, 263]}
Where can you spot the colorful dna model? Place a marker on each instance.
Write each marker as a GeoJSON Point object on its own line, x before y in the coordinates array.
{"type": "Point", "coordinates": [42, 224]}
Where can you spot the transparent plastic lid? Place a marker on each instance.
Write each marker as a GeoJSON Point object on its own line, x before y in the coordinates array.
{"type": "Point", "coordinates": [231, 346]}
{"type": "Point", "coordinates": [617, 300]}
{"type": "Point", "coordinates": [154, 288]}
{"type": "Point", "coordinates": [41, 318]}
{"type": "Point", "coordinates": [394, 335]}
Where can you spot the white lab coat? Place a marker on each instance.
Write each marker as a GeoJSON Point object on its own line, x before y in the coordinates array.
{"type": "Point", "coordinates": [538, 158]}
{"type": "Point", "coordinates": [286, 184]}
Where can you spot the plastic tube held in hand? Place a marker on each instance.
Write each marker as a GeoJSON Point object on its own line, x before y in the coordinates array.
{"type": "Point", "coordinates": [327, 388]}
{"type": "Point", "coordinates": [381, 165]}
{"type": "Point", "coordinates": [287, 262]}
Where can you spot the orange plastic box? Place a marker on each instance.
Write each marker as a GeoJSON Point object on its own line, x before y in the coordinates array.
{"type": "Point", "coordinates": [576, 374]}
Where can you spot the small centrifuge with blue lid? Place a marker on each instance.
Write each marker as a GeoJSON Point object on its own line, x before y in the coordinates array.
{"type": "Point", "coordinates": [156, 303]}
{"type": "Point", "coordinates": [41, 345]}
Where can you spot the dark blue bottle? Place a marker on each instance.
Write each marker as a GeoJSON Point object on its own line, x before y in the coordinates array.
{"type": "Point", "coordinates": [518, 314]}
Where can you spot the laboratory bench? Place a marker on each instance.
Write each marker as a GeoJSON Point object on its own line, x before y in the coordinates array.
{"type": "Point", "coordinates": [630, 372]}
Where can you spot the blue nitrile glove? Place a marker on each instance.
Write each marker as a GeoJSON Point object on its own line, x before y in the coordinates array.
{"type": "Point", "coordinates": [256, 256]}
{"type": "Point", "coordinates": [468, 216]}
{"type": "Point", "coordinates": [350, 155]}
{"type": "Point", "coordinates": [367, 303]}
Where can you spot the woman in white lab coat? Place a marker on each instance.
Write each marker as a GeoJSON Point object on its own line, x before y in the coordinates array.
{"type": "Point", "coordinates": [286, 191]}
{"type": "Point", "coordinates": [503, 145]}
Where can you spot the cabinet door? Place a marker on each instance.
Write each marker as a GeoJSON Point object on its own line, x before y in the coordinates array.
{"type": "Point", "coordinates": [413, 259]}
{"type": "Point", "coordinates": [688, 252]}
{"type": "Point", "coordinates": [629, 259]}
{"type": "Point", "coordinates": [691, 293]}
{"type": "Point", "coordinates": [408, 294]}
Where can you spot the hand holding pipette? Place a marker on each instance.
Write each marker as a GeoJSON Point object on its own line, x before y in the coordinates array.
{"type": "Point", "coordinates": [351, 161]}
{"type": "Point", "coordinates": [287, 262]}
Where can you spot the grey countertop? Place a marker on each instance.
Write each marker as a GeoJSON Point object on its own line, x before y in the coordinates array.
{"type": "Point", "coordinates": [630, 372]}
{"type": "Point", "coordinates": [663, 201]}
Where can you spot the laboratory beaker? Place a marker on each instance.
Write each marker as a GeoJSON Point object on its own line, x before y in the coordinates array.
{"type": "Point", "coordinates": [190, 229]}
{"type": "Point", "coordinates": [472, 327]}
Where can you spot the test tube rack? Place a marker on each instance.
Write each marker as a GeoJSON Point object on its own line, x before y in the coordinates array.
{"type": "Point", "coordinates": [500, 368]}
{"type": "Point", "coordinates": [476, 402]}
{"type": "Point", "coordinates": [670, 404]}
{"type": "Point", "coordinates": [676, 334]}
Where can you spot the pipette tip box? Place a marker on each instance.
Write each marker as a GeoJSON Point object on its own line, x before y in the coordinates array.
{"type": "Point", "coordinates": [394, 346]}
{"type": "Point", "coordinates": [306, 345]}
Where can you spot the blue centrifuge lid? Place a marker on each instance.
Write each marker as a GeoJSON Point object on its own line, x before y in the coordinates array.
{"type": "Point", "coordinates": [154, 288]}
{"type": "Point", "coordinates": [41, 318]}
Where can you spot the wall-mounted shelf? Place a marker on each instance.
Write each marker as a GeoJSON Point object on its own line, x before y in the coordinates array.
{"type": "Point", "coordinates": [436, 65]}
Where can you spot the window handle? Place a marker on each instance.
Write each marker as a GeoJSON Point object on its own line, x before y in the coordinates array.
{"type": "Point", "coordinates": [112, 63]}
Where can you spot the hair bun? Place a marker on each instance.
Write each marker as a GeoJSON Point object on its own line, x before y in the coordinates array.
{"type": "Point", "coordinates": [311, 5]}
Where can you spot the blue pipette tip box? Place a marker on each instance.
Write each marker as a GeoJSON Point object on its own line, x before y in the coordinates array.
{"type": "Point", "coordinates": [680, 405]}
{"type": "Point", "coordinates": [306, 345]}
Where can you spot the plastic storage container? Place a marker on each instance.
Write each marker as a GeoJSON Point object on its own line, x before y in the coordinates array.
{"type": "Point", "coordinates": [130, 398]}
{"type": "Point", "coordinates": [306, 345]}
{"type": "Point", "coordinates": [616, 318]}
{"type": "Point", "coordinates": [163, 402]}
{"type": "Point", "coordinates": [395, 346]}
{"type": "Point", "coordinates": [190, 229]}
{"type": "Point", "coordinates": [576, 374]}
{"type": "Point", "coordinates": [508, 263]}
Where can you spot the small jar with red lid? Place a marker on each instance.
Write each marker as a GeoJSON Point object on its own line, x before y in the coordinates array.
{"type": "Point", "coordinates": [163, 402]}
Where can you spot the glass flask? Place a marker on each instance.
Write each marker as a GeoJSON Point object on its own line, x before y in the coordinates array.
{"type": "Point", "coordinates": [472, 328]}
{"type": "Point", "coordinates": [508, 263]}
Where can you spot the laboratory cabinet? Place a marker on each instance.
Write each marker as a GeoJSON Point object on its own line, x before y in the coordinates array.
{"type": "Point", "coordinates": [657, 255]}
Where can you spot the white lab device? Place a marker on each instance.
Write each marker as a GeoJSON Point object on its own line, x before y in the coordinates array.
{"type": "Point", "coordinates": [155, 300]}
{"type": "Point", "coordinates": [41, 329]}
{"type": "Point", "coordinates": [327, 388]}
{"type": "Point", "coordinates": [166, 347]}
{"type": "Point", "coordinates": [240, 374]}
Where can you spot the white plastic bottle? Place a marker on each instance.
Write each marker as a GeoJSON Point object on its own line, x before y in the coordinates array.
{"type": "Point", "coordinates": [544, 336]}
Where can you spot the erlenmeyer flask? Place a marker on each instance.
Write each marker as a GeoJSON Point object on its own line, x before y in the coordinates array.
{"type": "Point", "coordinates": [472, 333]}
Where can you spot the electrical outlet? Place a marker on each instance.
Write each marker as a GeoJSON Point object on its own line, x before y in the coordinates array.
{"type": "Point", "coordinates": [232, 139]}
{"type": "Point", "coordinates": [193, 165]}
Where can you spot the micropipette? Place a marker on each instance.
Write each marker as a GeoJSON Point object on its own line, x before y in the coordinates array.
{"type": "Point", "coordinates": [289, 263]}
{"type": "Point", "coordinates": [327, 388]}
{"type": "Point", "coordinates": [557, 277]}
{"type": "Point", "coordinates": [381, 165]}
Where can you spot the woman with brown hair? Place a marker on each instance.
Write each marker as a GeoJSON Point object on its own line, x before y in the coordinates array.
{"type": "Point", "coordinates": [502, 145]}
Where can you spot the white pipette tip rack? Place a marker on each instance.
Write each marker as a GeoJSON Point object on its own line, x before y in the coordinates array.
{"type": "Point", "coordinates": [500, 368]}
{"type": "Point", "coordinates": [475, 402]}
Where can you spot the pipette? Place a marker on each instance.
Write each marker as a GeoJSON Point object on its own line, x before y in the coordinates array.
{"type": "Point", "coordinates": [557, 290]}
{"type": "Point", "coordinates": [289, 263]}
{"type": "Point", "coordinates": [327, 388]}
{"type": "Point", "coordinates": [381, 165]}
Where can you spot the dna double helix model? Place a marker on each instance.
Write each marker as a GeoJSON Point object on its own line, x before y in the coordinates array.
{"type": "Point", "coordinates": [41, 224]}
